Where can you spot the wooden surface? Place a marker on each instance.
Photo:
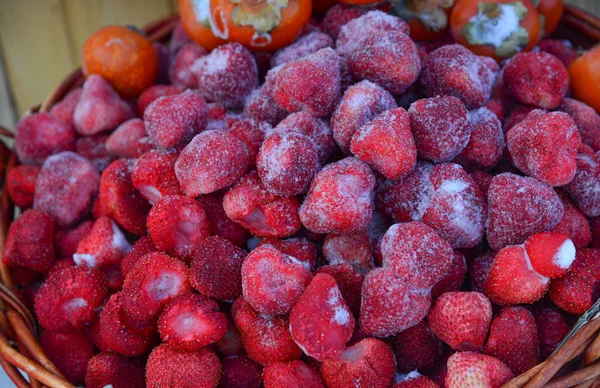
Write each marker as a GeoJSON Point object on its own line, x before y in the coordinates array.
{"type": "Point", "coordinates": [40, 41]}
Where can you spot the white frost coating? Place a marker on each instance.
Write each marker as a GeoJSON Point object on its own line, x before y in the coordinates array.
{"type": "Point", "coordinates": [108, 386]}
{"type": "Point", "coordinates": [74, 304]}
{"type": "Point", "coordinates": [119, 242]}
{"type": "Point", "coordinates": [453, 186]}
{"type": "Point", "coordinates": [565, 255]}
{"type": "Point", "coordinates": [495, 31]}
{"type": "Point", "coordinates": [201, 10]}
{"type": "Point", "coordinates": [292, 259]}
{"type": "Point", "coordinates": [84, 258]}
{"type": "Point", "coordinates": [409, 376]}
{"type": "Point", "coordinates": [340, 314]}
{"type": "Point", "coordinates": [165, 285]}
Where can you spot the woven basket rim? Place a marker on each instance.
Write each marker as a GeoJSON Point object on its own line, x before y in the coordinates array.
{"type": "Point", "coordinates": [18, 325]}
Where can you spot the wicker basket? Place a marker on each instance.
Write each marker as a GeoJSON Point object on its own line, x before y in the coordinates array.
{"type": "Point", "coordinates": [19, 330]}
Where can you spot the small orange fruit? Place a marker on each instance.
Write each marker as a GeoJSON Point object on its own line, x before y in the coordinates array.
{"type": "Point", "coordinates": [584, 73]}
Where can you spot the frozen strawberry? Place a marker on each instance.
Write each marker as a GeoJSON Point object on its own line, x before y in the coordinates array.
{"type": "Point", "coordinates": [70, 352]}
{"type": "Point", "coordinates": [416, 253]}
{"type": "Point", "coordinates": [30, 242]}
{"type": "Point", "coordinates": [514, 339]}
{"type": "Point", "coordinates": [20, 183]}
{"type": "Point", "coordinates": [93, 148]}
{"type": "Point", "coordinates": [272, 281]}
{"type": "Point", "coordinates": [453, 70]}
{"type": "Point", "coordinates": [227, 75]}
{"type": "Point", "coordinates": [416, 348]}
{"type": "Point", "coordinates": [168, 367]}
{"type": "Point", "coordinates": [561, 49]}
{"type": "Point", "coordinates": [512, 280]}
{"type": "Point", "coordinates": [152, 283]}
{"type": "Point", "coordinates": [544, 146]}
{"type": "Point", "coordinates": [260, 105]}
{"type": "Point", "coordinates": [354, 31]}
{"type": "Point", "coordinates": [496, 107]}
{"type": "Point", "coordinates": [387, 58]}
{"type": "Point", "coordinates": [129, 140]}
{"type": "Point", "coordinates": [573, 223]}
{"type": "Point", "coordinates": [291, 374]}
{"type": "Point", "coordinates": [175, 119]}
{"type": "Point", "coordinates": [487, 143]}
{"type": "Point", "coordinates": [104, 245]}
{"type": "Point", "coordinates": [440, 126]}
{"type": "Point", "coordinates": [584, 188]}
{"type": "Point", "coordinates": [454, 278]}
{"type": "Point", "coordinates": [480, 267]}
{"type": "Point", "coordinates": [349, 281]}
{"type": "Point", "coordinates": [302, 47]}
{"type": "Point", "coordinates": [337, 16]}
{"type": "Point", "coordinates": [67, 240]}
{"type": "Point", "coordinates": [241, 372]}
{"type": "Point", "coordinates": [212, 161]}
{"type": "Point", "coordinates": [340, 198]}
{"type": "Point", "coordinates": [264, 214]}
{"type": "Point", "coordinates": [316, 129]}
{"type": "Point", "coordinates": [550, 254]}
{"type": "Point", "coordinates": [537, 78]}
{"type": "Point", "coordinates": [311, 84]}
{"type": "Point", "coordinates": [220, 224]}
{"type": "Point", "coordinates": [266, 339]}
{"type": "Point", "coordinates": [154, 92]}
{"type": "Point", "coordinates": [518, 207]}
{"type": "Point", "coordinates": [215, 268]}
{"type": "Point", "coordinates": [70, 298]}
{"type": "Point", "coordinates": [180, 70]}
{"type": "Point", "coordinates": [41, 135]}
{"type": "Point", "coordinates": [576, 291]}
{"type": "Point", "coordinates": [153, 175]}
{"type": "Point", "coordinates": [352, 248]}
{"type": "Point", "coordinates": [100, 108]}
{"type": "Point", "coordinates": [191, 322]}
{"type": "Point", "coordinates": [368, 363]}
{"type": "Point", "coordinates": [461, 319]}
{"type": "Point", "coordinates": [457, 211]}
{"type": "Point", "coordinates": [587, 120]}
{"type": "Point", "coordinates": [120, 200]}
{"type": "Point", "coordinates": [483, 180]}
{"type": "Point", "coordinates": [469, 369]}
{"type": "Point", "coordinates": [407, 198]}
{"type": "Point", "coordinates": [286, 163]}
{"type": "Point", "coordinates": [386, 143]}
{"type": "Point", "coordinates": [389, 305]}
{"type": "Point", "coordinates": [177, 224]}
{"type": "Point", "coordinates": [142, 247]}
{"type": "Point", "coordinates": [252, 134]}
{"type": "Point", "coordinates": [360, 104]}
{"type": "Point", "coordinates": [65, 188]}
{"type": "Point", "coordinates": [415, 380]}
{"type": "Point", "coordinates": [552, 327]}
{"type": "Point", "coordinates": [114, 369]}
{"type": "Point", "coordinates": [65, 108]}
{"type": "Point", "coordinates": [321, 323]}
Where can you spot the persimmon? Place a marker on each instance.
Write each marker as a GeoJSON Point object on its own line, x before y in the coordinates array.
{"type": "Point", "coordinates": [123, 57]}
{"type": "Point", "coordinates": [550, 12]}
{"type": "Point", "coordinates": [263, 25]}
{"type": "Point", "coordinates": [496, 28]}
{"type": "Point", "coordinates": [584, 73]}
{"type": "Point", "coordinates": [195, 18]}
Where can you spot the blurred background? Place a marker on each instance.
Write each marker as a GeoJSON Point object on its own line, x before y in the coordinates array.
{"type": "Point", "coordinates": [41, 40]}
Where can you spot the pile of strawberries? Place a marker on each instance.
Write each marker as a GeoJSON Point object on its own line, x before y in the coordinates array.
{"type": "Point", "coordinates": [354, 210]}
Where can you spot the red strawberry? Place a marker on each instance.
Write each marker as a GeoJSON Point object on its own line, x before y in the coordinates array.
{"type": "Point", "coordinates": [66, 241]}
{"type": "Point", "coordinates": [220, 224]}
{"type": "Point", "coordinates": [416, 348]}
{"type": "Point", "coordinates": [20, 183]}
{"type": "Point", "coordinates": [415, 380]}
{"type": "Point", "coordinates": [291, 374]}
{"type": "Point", "coordinates": [573, 222]}
{"type": "Point", "coordinates": [349, 280]}
{"type": "Point", "coordinates": [514, 339]}
{"type": "Point", "coordinates": [142, 247]}
{"type": "Point", "coordinates": [454, 278]}
{"type": "Point", "coordinates": [320, 322]}
{"type": "Point", "coordinates": [511, 280]}
{"type": "Point", "coordinates": [461, 319]}
{"type": "Point", "coordinates": [550, 253]}
{"type": "Point", "coordinates": [129, 140]}
{"type": "Point", "coordinates": [241, 372]}
{"type": "Point", "coordinates": [468, 369]}
{"type": "Point", "coordinates": [168, 367]}
{"type": "Point", "coordinates": [153, 175]}
{"type": "Point", "coordinates": [480, 267]}
{"type": "Point", "coordinates": [552, 327]}
{"type": "Point", "coordinates": [108, 368]}
{"type": "Point", "coordinates": [70, 352]}
{"type": "Point", "coordinates": [351, 248]}
{"type": "Point", "coordinates": [368, 363]}
{"type": "Point", "coordinates": [300, 248]}
{"type": "Point", "coordinates": [104, 245]}
{"type": "Point", "coordinates": [30, 242]}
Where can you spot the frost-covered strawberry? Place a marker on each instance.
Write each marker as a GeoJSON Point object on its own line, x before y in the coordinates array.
{"type": "Point", "coordinates": [291, 374]}
{"type": "Point", "coordinates": [575, 292]}
{"type": "Point", "coordinates": [180, 70]}
{"type": "Point", "coordinates": [65, 108]}
{"type": "Point", "coordinates": [153, 175]}
{"type": "Point", "coordinates": [109, 368]}
{"type": "Point", "coordinates": [454, 278]}
{"type": "Point", "coordinates": [303, 46]}
{"type": "Point", "coordinates": [104, 245]}
{"type": "Point", "coordinates": [167, 367]}
{"type": "Point", "coordinates": [40, 135]}
{"type": "Point", "coordinates": [241, 372]}
{"type": "Point", "coordinates": [349, 281]}
{"type": "Point", "coordinates": [351, 248]}
{"type": "Point", "coordinates": [584, 188]}
{"type": "Point", "coordinates": [550, 254]}
{"type": "Point", "coordinates": [573, 223]}
{"type": "Point", "coordinates": [20, 183]}
{"type": "Point", "coordinates": [416, 348]}
{"type": "Point", "coordinates": [320, 322]}
{"type": "Point", "coordinates": [129, 140]}
{"type": "Point", "coordinates": [469, 369]}
{"type": "Point", "coordinates": [70, 352]}
{"type": "Point", "coordinates": [30, 242]}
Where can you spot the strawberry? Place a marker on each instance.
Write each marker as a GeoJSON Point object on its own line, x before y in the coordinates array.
{"type": "Point", "coordinates": [108, 368]}
{"type": "Point", "coordinates": [461, 319]}
{"type": "Point", "coordinates": [349, 280]}
{"type": "Point", "coordinates": [514, 339]}
{"type": "Point", "coordinates": [469, 369]}
{"type": "Point", "coordinates": [454, 278]}
{"type": "Point", "coordinates": [480, 267]}
{"type": "Point", "coordinates": [300, 248]}
{"type": "Point", "coordinates": [168, 367]}
{"type": "Point", "coordinates": [129, 140]}
{"type": "Point", "coordinates": [241, 372]}
{"type": "Point", "coordinates": [220, 224]}
{"type": "Point", "coordinates": [291, 374]}
{"type": "Point", "coordinates": [104, 245]}
{"type": "Point", "coordinates": [142, 247]}
{"type": "Point", "coordinates": [415, 380]}
{"type": "Point", "coordinates": [552, 327]}
{"type": "Point", "coordinates": [30, 242]}
{"type": "Point", "coordinates": [70, 352]}
{"type": "Point", "coordinates": [153, 175]}
{"type": "Point", "coordinates": [550, 253]}
{"type": "Point", "coordinates": [20, 183]}
{"type": "Point", "coordinates": [416, 348]}
{"type": "Point", "coordinates": [320, 322]}
{"type": "Point", "coordinates": [351, 248]}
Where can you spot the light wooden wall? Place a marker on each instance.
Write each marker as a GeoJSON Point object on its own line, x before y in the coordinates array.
{"type": "Point", "coordinates": [40, 41]}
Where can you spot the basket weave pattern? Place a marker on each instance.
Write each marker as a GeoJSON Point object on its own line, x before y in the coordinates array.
{"type": "Point", "coordinates": [19, 330]}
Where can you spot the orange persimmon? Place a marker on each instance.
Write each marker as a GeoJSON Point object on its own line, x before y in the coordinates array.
{"type": "Point", "coordinates": [551, 11]}
{"type": "Point", "coordinates": [195, 18]}
{"type": "Point", "coordinates": [584, 73]}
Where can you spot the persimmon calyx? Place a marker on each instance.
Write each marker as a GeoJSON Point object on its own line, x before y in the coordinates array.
{"type": "Point", "coordinates": [430, 13]}
{"type": "Point", "coordinates": [262, 15]}
{"type": "Point", "coordinates": [498, 25]}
